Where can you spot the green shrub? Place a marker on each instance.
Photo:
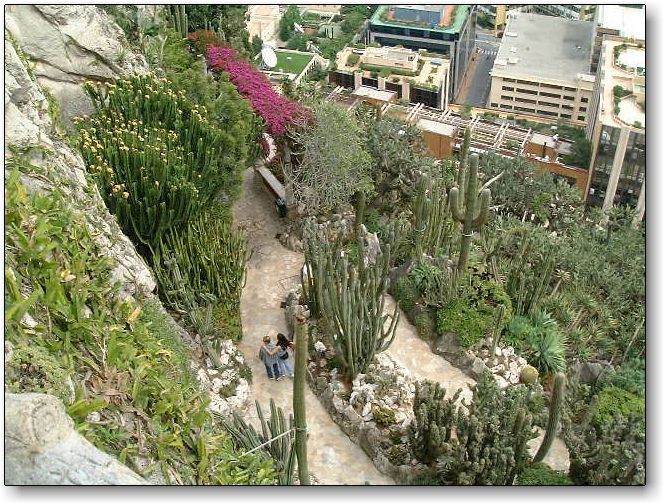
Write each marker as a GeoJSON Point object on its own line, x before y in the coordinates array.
{"type": "Point", "coordinates": [405, 293]}
{"type": "Point", "coordinates": [631, 376]}
{"type": "Point", "coordinates": [121, 355]}
{"type": "Point", "coordinates": [372, 221]}
{"type": "Point", "coordinates": [201, 263]}
{"type": "Point", "coordinates": [397, 455]}
{"type": "Point", "coordinates": [424, 326]}
{"type": "Point", "coordinates": [32, 368]}
{"type": "Point", "coordinates": [542, 475]}
{"type": "Point", "coordinates": [227, 321]}
{"type": "Point", "coordinates": [353, 59]}
{"type": "Point", "coordinates": [613, 401]}
{"type": "Point", "coordinates": [469, 323]}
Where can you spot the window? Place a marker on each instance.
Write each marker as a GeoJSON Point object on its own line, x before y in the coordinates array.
{"type": "Point", "coordinates": [571, 98]}
{"type": "Point", "coordinates": [494, 105]}
{"type": "Point", "coordinates": [523, 109]}
{"type": "Point", "coordinates": [565, 116]}
{"type": "Point", "coordinates": [547, 113]}
{"type": "Point", "coordinates": [505, 97]}
{"type": "Point", "coordinates": [509, 80]}
{"type": "Point", "coordinates": [552, 86]}
{"type": "Point", "coordinates": [567, 107]}
{"type": "Point", "coordinates": [502, 105]}
{"type": "Point", "coordinates": [582, 118]}
{"type": "Point", "coordinates": [584, 100]}
{"type": "Point", "coordinates": [582, 109]}
{"type": "Point", "coordinates": [527, 91]}
{"type": "Point", "coordinates": [525, 100]}
{"type": "Point", "coordinates": [548, 104]}
{"type": "Point", "coordinates": [505, 88]}
{"type": "Point", "coordinates": [569, 89]}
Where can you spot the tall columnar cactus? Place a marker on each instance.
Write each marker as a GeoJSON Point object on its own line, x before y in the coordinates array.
{"type": "Point", "coordinates": [350, 302]}
{"type": "Point", "coordinates": [555, 407]}
{"type": "Point", "coordinates": [529, 278]}
{"type": "Point", "coordinates": [473, 216]}
{"type": "Point", "coordinates": [207, 257]}
{"type": "Point", "coordinates": [434, 421]}
{"type": "Point", "coordinates": [281, 450]}
{"type": "Point", "coordinates": [433, 221]}
{"type": "Point", "coordinates": [299, 404]}
{"type": "Point", "coordinates": [460, 178]}
{"type": "Point", "coordinates": [180, 19]}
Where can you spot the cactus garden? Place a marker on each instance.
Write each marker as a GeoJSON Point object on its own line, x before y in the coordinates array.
{"type": "Point", "coordinates": [460, 320]}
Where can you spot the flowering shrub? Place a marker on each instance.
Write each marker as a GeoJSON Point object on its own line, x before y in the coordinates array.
{"type": "Point", "coordinates": [278, 112]}
{"type": "Point", "coordinates": [200, 40]}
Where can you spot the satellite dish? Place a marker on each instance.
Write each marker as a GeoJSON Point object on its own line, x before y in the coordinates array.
{"type": "Point", "coordinates": [269, 56]}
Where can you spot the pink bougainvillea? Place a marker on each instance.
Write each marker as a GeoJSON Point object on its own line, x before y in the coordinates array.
{"type": "Point", "coordinates": [278, 112]}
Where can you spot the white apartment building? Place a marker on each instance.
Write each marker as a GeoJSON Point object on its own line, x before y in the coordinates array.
{"type": "Point", "coordinates": [542, 68]}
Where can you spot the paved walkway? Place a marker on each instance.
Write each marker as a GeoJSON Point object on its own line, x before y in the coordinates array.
{"type": "Point", "coordinates": [333, 458]}
{"type": "Point", "coordinates": [272, 270]}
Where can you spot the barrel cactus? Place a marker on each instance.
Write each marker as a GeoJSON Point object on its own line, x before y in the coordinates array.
{"type": "Point", "coordinates": [529, 375]}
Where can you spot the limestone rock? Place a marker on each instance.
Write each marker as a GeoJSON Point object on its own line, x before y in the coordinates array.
{"type": "Point", "coordinates": [70, 44]}
{"type": "Point", "coordinates": [43, 448]}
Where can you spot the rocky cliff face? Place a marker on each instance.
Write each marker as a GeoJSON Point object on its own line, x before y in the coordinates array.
{"type": "Point", "coordinates": [68, 44]}
{"type": "Point", "coordinates": [47, 162]}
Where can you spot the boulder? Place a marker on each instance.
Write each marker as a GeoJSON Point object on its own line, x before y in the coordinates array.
{"type": "Point", "coordinates": [43, 448]}
{"type": "Point", "coordinates": [588, 372]}
{"type": "Point", "coordinates": [28, 124]}
{"type": "Point", "coordinates": [477, 368]}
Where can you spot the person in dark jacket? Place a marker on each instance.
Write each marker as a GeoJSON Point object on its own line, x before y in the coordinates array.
{"type": "Point", "coordinates": [286, 349]}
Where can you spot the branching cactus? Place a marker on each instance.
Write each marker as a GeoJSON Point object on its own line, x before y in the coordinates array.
{"type": "Point", "coordinates": [555, 407]}
{"type": "Point", "coordinates": [349, 302]}
{"type": "Point", "coordinates": [475, 213]}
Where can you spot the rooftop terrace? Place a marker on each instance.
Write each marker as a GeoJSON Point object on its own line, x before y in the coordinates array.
{"type": "Point", "coordinates": [452, 21]}
{"type": "Point", "coordinates": [624, 66]}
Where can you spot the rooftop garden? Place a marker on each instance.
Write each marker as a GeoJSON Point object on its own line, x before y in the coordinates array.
{"type": "Point", "coordinates": [292, 63]}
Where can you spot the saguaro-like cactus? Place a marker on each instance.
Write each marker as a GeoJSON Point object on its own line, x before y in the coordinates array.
{"type": "Point", "coordinates": [299, 405]}
{"type": "Point", "coordinates": [433, 222]}
{"type": "Point", "coordinates": [474, 215]}
{"type": "Point", "coordinates": [557, 399]}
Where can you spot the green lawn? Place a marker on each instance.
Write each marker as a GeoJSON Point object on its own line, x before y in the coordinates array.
{"type": "Point", "coordinates": [294, 65]}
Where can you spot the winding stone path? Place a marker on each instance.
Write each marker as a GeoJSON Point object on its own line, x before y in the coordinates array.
{"type": "Point", "coordinates": [273, 270]}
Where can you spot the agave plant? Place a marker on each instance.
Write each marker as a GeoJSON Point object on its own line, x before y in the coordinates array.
{"type": "Point", "coordinates": [547, 344]}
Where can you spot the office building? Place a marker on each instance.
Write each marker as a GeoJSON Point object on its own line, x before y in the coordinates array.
{"type": "Point", "coordinates": [542, 68]}
{"type": "Point", "coordinates": [625, 21]}
{"type": "Point", "coordinates": [415, 27]}
{"type": "Point", "coordinates": [616, 126]}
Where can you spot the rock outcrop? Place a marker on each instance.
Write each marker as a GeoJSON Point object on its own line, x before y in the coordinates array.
{"type": "Point", "coordinates": [48, 163]}
{"type": "Point", "coordinates": [69, 44]}
{"type": "Point", "coordinates": [43, 448]}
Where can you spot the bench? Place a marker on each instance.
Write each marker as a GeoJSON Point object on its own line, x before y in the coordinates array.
{"type": "Point", "coordinates": [272, 184]}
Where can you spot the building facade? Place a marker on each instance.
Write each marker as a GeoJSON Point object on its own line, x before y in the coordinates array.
{"type": "Point", "coordinates": [625, 21]}
{"type": "Point", "coordinates": [413, 77]}
{"type": "Point", "coordinates": [542, 68]}
{"type": "Point", "coordinates": [616, 127]}
{"type": "Point", "coordinates": [452, 37]}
